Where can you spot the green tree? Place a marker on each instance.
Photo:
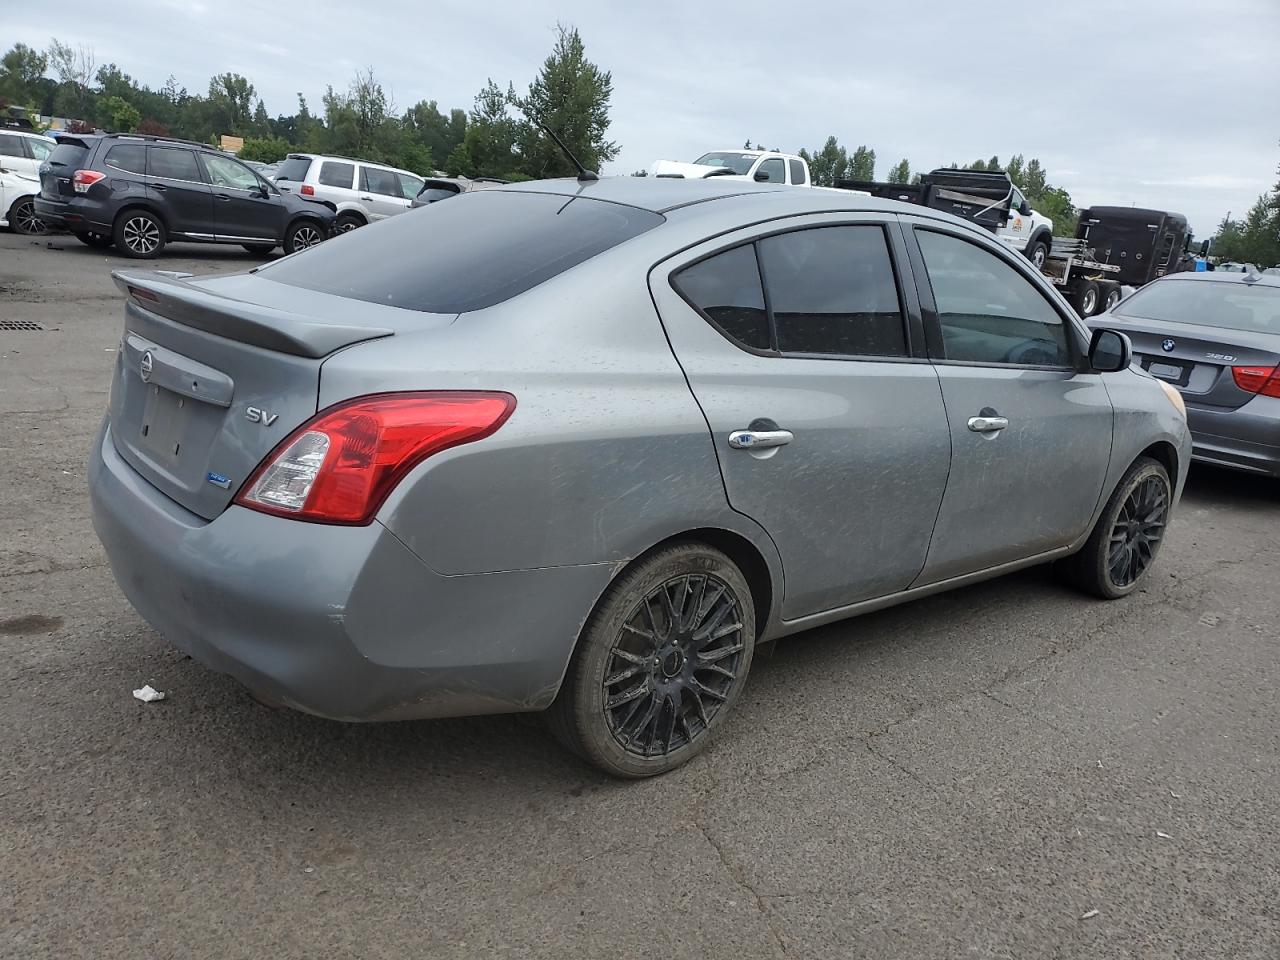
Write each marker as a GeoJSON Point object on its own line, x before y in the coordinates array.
{"type": "Point", "coordinates": [123, 115]}
{"type": "Point", "coordinates": [862, 165]}
{"type": "Point", "coordinates": [264, 149]}
{"type": "Point", "coordinates": [900, 172]}
{"type": "Point", "coordinates": [426, 125]}
{"type": "Point", "coordinates": [827, 164]}
{"type": "Point", "coordinates": [22, 69]}
{"type": "Point", "coordinates": [74, 67]}
{"type": "Point", "coordinates": [571, 96]}
{"type": "Point", "coordinates": [230, 102]}
{"type": "Point", "coordinates": [489, 147]}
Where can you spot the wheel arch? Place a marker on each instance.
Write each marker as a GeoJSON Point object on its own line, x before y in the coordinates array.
{"type": "Point", "coordinates": [349, 209]}
{"type": "Point", "coordinates": [1043, 235]}
{"type": "Point", "coordinates": [146, 205]}
{"type": "Point", "coordinates": [1164, 453]}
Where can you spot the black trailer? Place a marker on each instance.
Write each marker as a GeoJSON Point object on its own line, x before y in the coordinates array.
{"type": "Point", "coordinates": [974, 195]}
{"type": "Point", "coordinates": [1144, 244]}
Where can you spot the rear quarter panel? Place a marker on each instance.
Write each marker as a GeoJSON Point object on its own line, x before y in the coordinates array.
{"type": "Point", "coordinates": [606, 454]}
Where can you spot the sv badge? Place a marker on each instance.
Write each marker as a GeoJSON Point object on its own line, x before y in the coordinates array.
{"type": "Point", "coordinates": [258, 415]}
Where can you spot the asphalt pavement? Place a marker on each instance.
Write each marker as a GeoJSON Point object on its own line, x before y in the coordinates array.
{"type": "Point", "coordinates": [1010, 770]}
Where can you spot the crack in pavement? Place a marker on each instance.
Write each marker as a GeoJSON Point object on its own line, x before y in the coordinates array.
{"type": "Point", "coordinates": [739, 877]}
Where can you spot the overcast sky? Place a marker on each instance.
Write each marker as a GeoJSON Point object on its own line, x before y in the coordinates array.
{"type": "Point", "coordinates": [1161, 103]}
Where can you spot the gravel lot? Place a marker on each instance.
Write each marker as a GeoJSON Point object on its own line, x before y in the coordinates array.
{"type": "Point", "coordinates": [971, 775]}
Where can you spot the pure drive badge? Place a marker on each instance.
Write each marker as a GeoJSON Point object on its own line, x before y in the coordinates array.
{"type": "Point", "coordinates": [218, 480]}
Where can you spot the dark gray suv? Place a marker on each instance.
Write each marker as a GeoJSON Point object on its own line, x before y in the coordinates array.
{"type": "Point", "coordinates": [141, 192]}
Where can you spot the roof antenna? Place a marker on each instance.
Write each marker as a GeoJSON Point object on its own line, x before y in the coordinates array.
{"type": "Point", "coordinates": [584, 175]}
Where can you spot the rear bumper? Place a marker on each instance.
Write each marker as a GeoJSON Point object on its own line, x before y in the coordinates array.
{"type": "Point", "coordinates": [77, 214]}
{"type": "Point", "coordinates": [1247, 438]}
{"type": "Point", "coordinates": [341, 622]}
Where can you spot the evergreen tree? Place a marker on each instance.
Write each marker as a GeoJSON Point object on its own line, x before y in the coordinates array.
{"type": "Point", "coordinates": [900, 172]}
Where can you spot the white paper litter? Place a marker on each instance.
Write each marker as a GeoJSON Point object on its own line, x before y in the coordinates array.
{"type": "Point", "coordinates": [1162, 835]}
{"type": "Point", "coordinates": [148, 694]}
{"type": "Point", "coordinates": [1090, 915]}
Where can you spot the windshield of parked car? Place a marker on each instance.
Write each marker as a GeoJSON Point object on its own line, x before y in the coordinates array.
{"type": "Point", "coordinates": [1210, 303]}
{"type": "Point", "coordinates": [739, 163]}
{"type": "Point", "coordinates": [294, 168]}
{"type": "Point", "coordinates": [477, 250]}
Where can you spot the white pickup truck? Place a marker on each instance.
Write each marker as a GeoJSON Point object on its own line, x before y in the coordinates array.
{"type": "Point", "coordinates": [762, 166]}
{"type": "Point", "coordinates": [1025, 230]}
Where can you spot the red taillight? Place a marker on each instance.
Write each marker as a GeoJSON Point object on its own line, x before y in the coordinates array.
{"type": "Point", "coordinates": [307, 190]}
{"type": "Point", "coordinates": [82, 180]}
{"type": "Point", "coordinates": [1263, 380]}
{"type": "Point", "coordinates": [340, 465]}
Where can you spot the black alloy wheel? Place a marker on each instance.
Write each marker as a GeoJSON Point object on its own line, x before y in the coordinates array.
{"type": "Point", "coordinates": [660, 663]}
{"type": "Point", "coordinates": [23, 219]}
{"type": "Point", "coordinates": [1128, 534]}
{"type": "Point", "coordinates": [673, 664]}
{"type": "Point", "coordinates": [1138, 530]}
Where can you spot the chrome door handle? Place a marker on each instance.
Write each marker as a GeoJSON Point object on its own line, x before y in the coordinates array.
{"type": "Point", "coordinates": [756, 439]}
{"type": "Point", "coordinates": [988, 424]}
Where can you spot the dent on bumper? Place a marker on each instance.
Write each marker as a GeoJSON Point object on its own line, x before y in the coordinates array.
{"type": "Point", "coordinates": [342, 622]}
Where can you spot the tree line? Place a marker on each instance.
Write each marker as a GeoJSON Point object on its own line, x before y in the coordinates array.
{"type": "Point", "coordinates": [495, 138]}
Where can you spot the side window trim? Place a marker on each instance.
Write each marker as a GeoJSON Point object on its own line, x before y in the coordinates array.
{"type": "Point", "coordinates": [1075, 338]}
{"type": "Point", "coordinates": [901, 259]}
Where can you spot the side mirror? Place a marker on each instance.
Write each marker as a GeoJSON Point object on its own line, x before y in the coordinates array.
{"type": "Point", "coordinates": [1109, 351]}
{"type": "Point", "coordinates": [1025, 209]}
{"type": "Point", "coordinates": [761, 177]}
{"type": "Point", "coordinates": [1204, 247]}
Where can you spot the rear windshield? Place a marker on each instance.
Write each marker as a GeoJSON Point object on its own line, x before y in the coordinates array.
{"type": "Point", "coordinates": [294, 168]}
{"type": "Point", "coordinates": [1210, 303]}
{"type": "Point", "coordinates": [69, 154]}
{"type": "Point", "coordinates": [477, 250]}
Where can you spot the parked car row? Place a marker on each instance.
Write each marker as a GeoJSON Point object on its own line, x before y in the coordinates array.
{"type": "Point", "coordinates": [553, 446]}
{"type": "Point", "coordinates": [139, 193]}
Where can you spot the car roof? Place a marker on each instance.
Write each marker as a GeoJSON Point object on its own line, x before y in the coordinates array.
{"type": "Point", "coordinates": [1224, 276]}
{"type": "Point", "coordinates": [366, 163]}
{"type": "Point", "coordinates": [664, 195]}
{"type": "Point", "coordinates": [25, 133]}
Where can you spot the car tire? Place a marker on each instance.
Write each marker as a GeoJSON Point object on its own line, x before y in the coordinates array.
{"type": "Point", "coordinates": [653, 679]}
{"type": "Point", "coordinates": [1126, 539]}
{"type": "Point", "coordinates": [139, 234]}
{"type": "Point", "coordinates": [303, 234]}
{"type": "Point", "coordinates": [98, 240]}
{"type": "Point", "coordinates": [1086, 299]}
{"type": "Point", "coordinates": [350, 221]}
{"type": "Point", "coordinates": [23, 219]}
{"type": "Point", "coordinates": [1111, 296]}
{"type": "Point", "coordinates": [259, 249]}
{"type": "Point", "coordinates": [1038, 253]}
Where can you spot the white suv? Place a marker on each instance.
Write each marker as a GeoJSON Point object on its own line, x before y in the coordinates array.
{"type": "Point", "coordinates": [362, 191]}
{"type": "Point", "coordinates": [22, 151]}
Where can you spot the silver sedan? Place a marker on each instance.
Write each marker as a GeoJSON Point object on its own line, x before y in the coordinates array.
{"type": "Point", "coordinates": [583, 446]}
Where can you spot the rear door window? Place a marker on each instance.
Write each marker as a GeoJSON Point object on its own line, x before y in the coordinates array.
{"type": "Point", "coordinates": [129, 157]}
{"type": "Point", "coordinates": [172, 163]}
{"type": "Point", "coordinates": [333, 174]}
{"type": "Point", "coordinates": [798, 177]}
{"type": "Point", "coordinates": [475, 251]}
{"type": "Point", "coordinates": [832, 292]}
{"type": "Point", "coordinates": [40, 148]}
{"type": "Point", "coordinates": [293, 169]}
{"type": "Point", "coordinates": [989, 312]}
{"type": "Point", "coordinates": [726, 289]}
{"type": "Point", "coordinates": [382, 182]}
{"type": "Point", "coordinates": [11, 146]}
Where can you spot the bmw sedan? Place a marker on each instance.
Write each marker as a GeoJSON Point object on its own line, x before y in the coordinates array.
{"type": "Point", "coordinates": [1216, 338]}
{"type": "Point", "coordinates": [582, 446]}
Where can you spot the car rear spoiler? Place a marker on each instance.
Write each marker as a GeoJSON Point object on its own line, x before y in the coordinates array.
{"type": "Point", "coordinates": [170, 295]}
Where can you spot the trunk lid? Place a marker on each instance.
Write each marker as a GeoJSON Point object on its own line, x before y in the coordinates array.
{"type": "Point", "coordinates": [212, 373]}
{"type": "Point", "coordinates": [1196, 359]}
{"type": "Point", "coordinates": [55, 173]}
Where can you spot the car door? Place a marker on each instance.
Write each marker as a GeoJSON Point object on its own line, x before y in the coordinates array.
{"type": "Point", "coordinates": [175, 183]}
{"type": "Point", "coordinates": [825, 414]}
{"type": "Point", "coordinates": [1017, 231]}
{"type": "Point", "coordinates": [244, 208]}
{"type": "Point", "coordinates": [13, 155]}
{"type": "Point", "coordinates": [1030, 430]}
{"type": "Point", "coordinates": [381, 193]}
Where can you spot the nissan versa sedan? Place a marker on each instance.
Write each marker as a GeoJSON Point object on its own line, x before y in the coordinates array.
{"type": "Point", "coordinates": [1216, 338]}
{"type": "Point", "coordinates": [583, 446]}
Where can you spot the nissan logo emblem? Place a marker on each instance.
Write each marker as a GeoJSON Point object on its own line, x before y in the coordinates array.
{"type": "Point", "coordinates": [145, 367]}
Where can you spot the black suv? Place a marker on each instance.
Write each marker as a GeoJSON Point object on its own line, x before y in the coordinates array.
{"type": "Point", "coordinates": [141, 192]}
